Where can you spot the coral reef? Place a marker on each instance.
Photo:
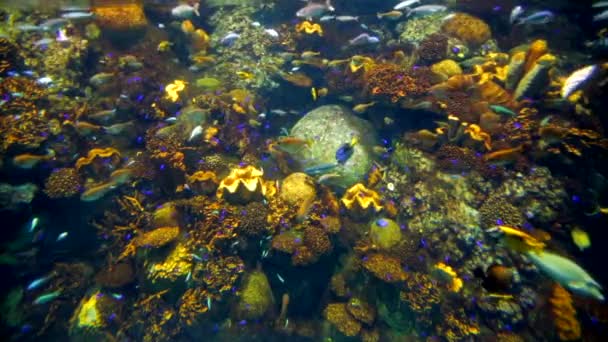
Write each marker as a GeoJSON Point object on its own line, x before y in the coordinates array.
{"type": "Point", "coordinates": [470, 29]}
{"type": "Point", "coordinates": [62, 183]}
{"type": "Point", "coordinates": [391, 81]}
{"type": "Point", "coordinates": [433, 48]}
{"type": "Point", "coordinates": [243, 184]}
{"type": "Point", "coordinates": [253, 220]}
{"type": "Point", "coordinates": [496, 210]}
{"type": "Point", "coordinates": [385, 268]}
{"type": "Point", "coordinates": [360, 201]}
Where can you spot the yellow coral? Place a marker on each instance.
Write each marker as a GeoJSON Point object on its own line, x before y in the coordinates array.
{"type": "Point", "coordinates": [447, 274]}
{"type": "Point", "coordinates": [337, 315]}
{"type": "Point", "coordinates": [475, 132]}
{"type": "Point", "coordinates": [309, 28]}
{"type": "Point", "coordinates": [361, 201]}
{"type": "Point", "coordinates": [172, 90]}
{"type": "Point", "coordinates": [467, 28]}
{"type": "Point", "coordinates": [203, 181]}
{"type": "Point", "coordinates": [568, 327]}
{"type": "Point", "coordinates": [446, 68]}
{"type": "Point", "coordinates": [385, 268]}
{"type": "Point", "coordinates": [121, 17]}
{"type": "Point", "coordinates": [178, 263]}
{"type": "Point", "coordinates": [243, 184]}
{"type": "Point", "coordinates": [158, 237]}
{"type": "Point", "coordinates": [87, 314]}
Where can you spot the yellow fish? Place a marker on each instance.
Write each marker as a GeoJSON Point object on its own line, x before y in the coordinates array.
{"type": "Point", "coordinates": [316, 93]}
{"type": "Point", "coordinates": [309, 54]}
{"type": "Point", "coordinates": [164, 46]}
{"type": "Point", "coordinates": [362, 107]}
{"type": "Point", "coordinates": [580, 238]}
{"type": "Point", "coordinates": [244, 75]}
{"type": "Point", "coordinates": [392, 15]}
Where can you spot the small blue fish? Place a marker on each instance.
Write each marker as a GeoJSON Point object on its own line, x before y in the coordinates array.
{"type": "Point", "coordinates": [38, 282]}
{"type": "Point", "coordinates": [345, 151]}
{"type": "Point", "coordinates": [47, 297]}
{"type": "Point", "coordinates": [33, 224]}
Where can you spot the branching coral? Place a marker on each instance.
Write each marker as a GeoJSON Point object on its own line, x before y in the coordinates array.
{"type": "Point", "coordinates": [467, 28]}
{"type": "Point", "coordinates": [192, 305]}
{"type": "Point", "coordinates": [29, 130]}
{"type": "Point", "coordinates": [62, 183]}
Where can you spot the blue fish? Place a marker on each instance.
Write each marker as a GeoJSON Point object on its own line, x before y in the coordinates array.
{"type": "Point", "coordinates": [345, 151]}
{"type": "Point", "coordinates": [38, 282]}
{"type": "Point", "coordinates": [47, 297]}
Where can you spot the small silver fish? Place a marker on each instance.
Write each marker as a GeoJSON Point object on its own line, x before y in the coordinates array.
{"type": "Point", "coordinates": [315, 10]}
{"type": "Point", "coordinates": [118, 128]}
{"type": "Point", "coordinates": [326, 18]}
{"type": "Point", "coordinates": [516, 12]}
{"type": "Point", "coordinates": [346, 18]}
{"type": "Point", "coordinates": [44, 81]}
{"type": "Point", "coordinates": [406, 3]}
{"type": "Point", "coordinates": [198, 130]}
{"type": "Point", "coordinates": [33, 224]}
{"type": "Point", "coordinates": [601, 16]}
{"type": "Point", "coordinates": [61, 236]}
{"type": "Point", "coordinates": [101, 78]}
{"type": "Point", "coordinates": [425, 10]}
{"type": "Point", "coordinates": [364, 39]}
{"type": "Point", "coordinates": [280, 278]}
{"type": "Point", "coordinates": [78, 15]}
{"type": "Point", "coordinates": [185, 11]}
{"type": "Point", "coordinates": [537, 18]}
{"type": "Point", "coordinates": [577, 80]}
{"type": "Point", "coordinates": [229, 38]}
{"type": "Point", "coordinates": [272, 32]}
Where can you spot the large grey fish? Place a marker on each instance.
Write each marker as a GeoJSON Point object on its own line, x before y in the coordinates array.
{"type": "Point", "coordinates": [315, 9]}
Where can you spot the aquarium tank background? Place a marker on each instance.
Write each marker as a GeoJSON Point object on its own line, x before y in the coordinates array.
{"type": "Point", "coordinates": [293, 170]}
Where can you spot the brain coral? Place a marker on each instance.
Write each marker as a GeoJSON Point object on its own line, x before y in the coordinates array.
{"type": "Point", "coordinates": [467, 28]}
{"type": "Point", "coordinates": [497, 211]}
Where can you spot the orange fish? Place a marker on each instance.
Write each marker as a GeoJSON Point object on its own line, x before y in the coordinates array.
{"type": "Point", "coordinates": [298, 79]}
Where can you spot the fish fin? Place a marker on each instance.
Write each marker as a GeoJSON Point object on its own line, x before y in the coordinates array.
{"type": "Point", "coordinates": [195, 7]}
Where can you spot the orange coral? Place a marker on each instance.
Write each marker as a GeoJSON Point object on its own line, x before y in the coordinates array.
{"type": "Point", "coordinates": [203, 181]}
{"type": "Point", "coordinates": [384, 267]}
{"type": "Point", "coordinates": [361, 201]}
{"type": "Point", "coordinates": [568, 327]}
{"type": "Point", "coordinates": [243, 184]}
{"type": "Point", "coordinates": [120, 17]}
{"type": "Point", "coordinates": [337, 315]}
{"type": "Point", "coordinates": [471, 30]}
{"type": "Point", "coordinates": [157, 237]}
{"type": "Point", "coordinates": [95, 153]}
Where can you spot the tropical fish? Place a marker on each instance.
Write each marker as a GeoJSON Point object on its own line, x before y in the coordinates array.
{"type": "Point", "coordinates": [502, 110]}
{"type": "Point", "coordinates": [196, 131]}
{"type": "Point", "coordinates": [53, 24]}
{"type": "Point", "coordinates": [47, 297]}
{"type": "Point", "coordinates": [327, 177]}
{"type": "Point", "coordinates": [272, 32]}
{"type": "Point", "coordinates": [601, 16]}
{"type": "Point", "coordinates": [346, 18]}
{"type": "Point", "coordinates": [577, 80]}
{"type": "Point", "coordinates": [364, 39]}
{"type": "Point", "coordinates": [309, 54]}
{"type": "Point", "coordinates": [164, 46]}
{"type": "Point", "coordinates": [118, 128]}
{"type": "Point", "coordinates": [101, 78]}
{"type": "Point", "coordinates": [537, 18]}
{"type": "Point", "coordinates": [344, 152]}
{"type": "Point", "coordinates": [185, 11]}
{"type": "Point", "coordinates": [33, 224]}
{"type": "Point", "coordinates": [315, 10]}
{"type": "Point", "coordinates": [319, 169]}
{"type": "Point", "coordinates": [298, 79]}
{"type": "Point", "coordinates": [362, 107]}
{"type": "Point", "coordinates": [392, 15]}
{"type": "Point", "coordinates": [78, 15]}
{"type": "Point", "coordinates": [567, 273]}
{"type": "Point", "coordinates": [406, 3]}
{"type": "Point", "coordinates": [229, 38]}
{"type": "Point", "coordinates": [580, 238]}
{"type": "Point", "coordinates": [425, 10]}
{"type": "Point", "coordinates": [28, 160]}
{"type": "Point", "coordinates": [292, 145]}
{"type": "Point", "coordinates": [61, 236]}
{"type": "Point", "coordinates": [516, 12]}
{"type": "Point", "coordinates": [36, 283]}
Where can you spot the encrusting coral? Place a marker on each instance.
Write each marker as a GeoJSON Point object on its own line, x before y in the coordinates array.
{"type": "Point", "coordinates": [62, 183]}
{"type": "Point", "coordinates": [471, 30]}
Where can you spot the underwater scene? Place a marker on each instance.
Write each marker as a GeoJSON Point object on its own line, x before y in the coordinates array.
{"type": "Point", "coordinates": [303, 170]}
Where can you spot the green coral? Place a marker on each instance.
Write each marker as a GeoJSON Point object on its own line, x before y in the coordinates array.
{"type": "Point", "coordinates": [385, 233]}
{"type": "Point", "coordinates": [417, 29]}
{"type": "Point", "coordinates": [256, 297]}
